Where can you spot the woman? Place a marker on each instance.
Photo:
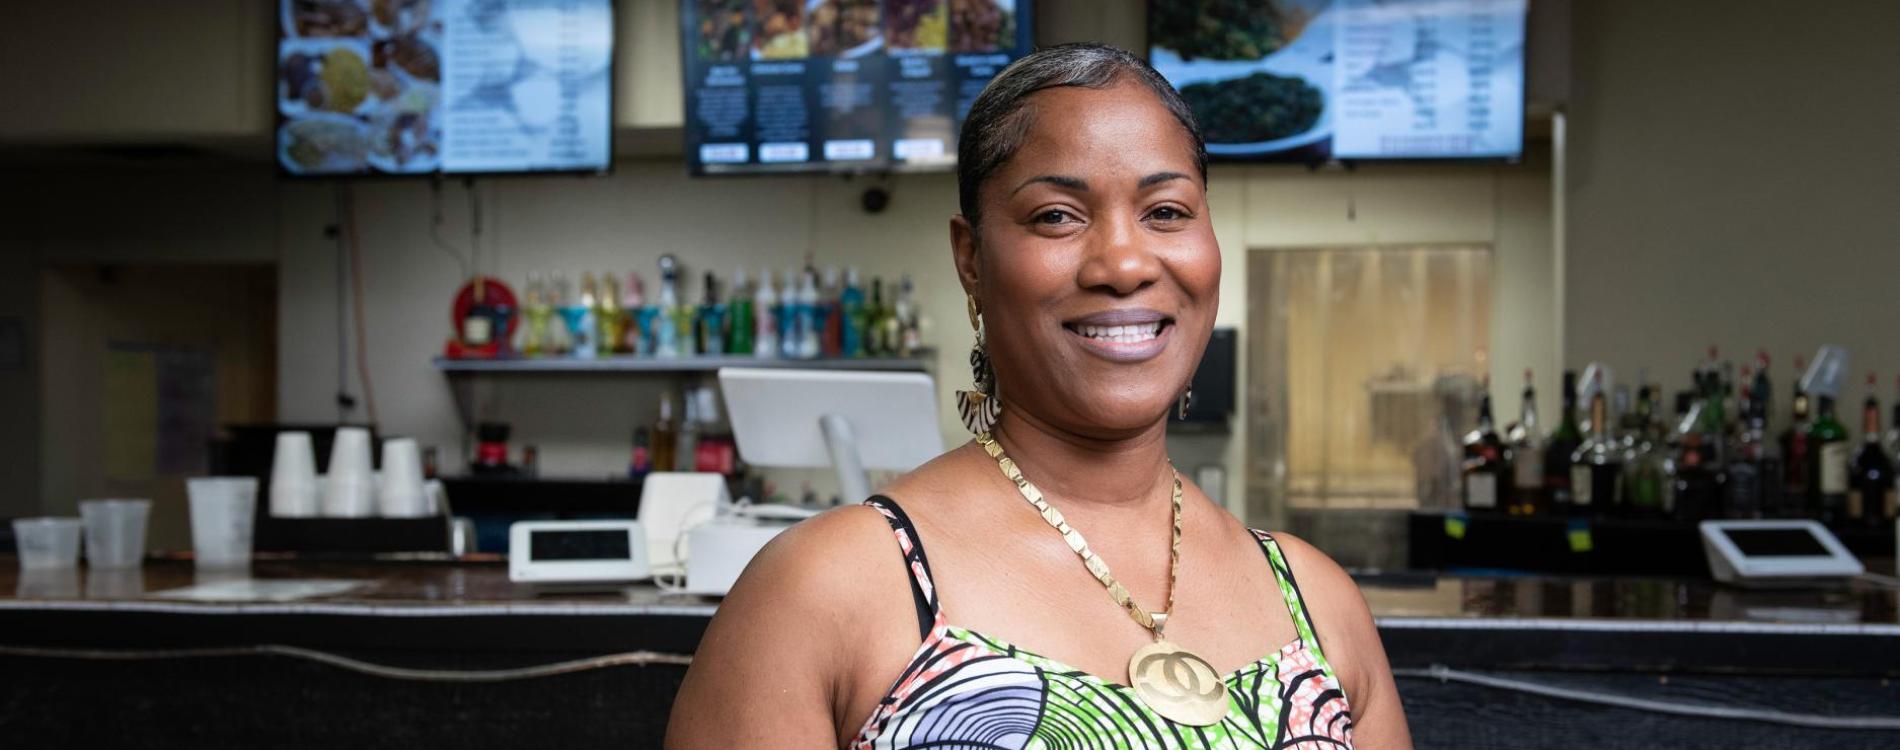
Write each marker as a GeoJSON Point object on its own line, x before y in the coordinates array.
{"type": "Point", "coordinates": [1051, 608]}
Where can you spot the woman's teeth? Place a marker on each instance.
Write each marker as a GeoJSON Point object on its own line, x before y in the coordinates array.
{"type": "Point", "coordinates": [1121, 334]}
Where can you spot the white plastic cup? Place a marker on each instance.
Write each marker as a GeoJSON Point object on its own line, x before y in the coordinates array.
{"type": "Point", "coordinates": [293, 477]}
{"type": "Point", "coordinates": [223, 510]}
{"type": "Point", "coordinates": [400, 492]}
{"type": "Point", "coordinates": [47, 543]}
{"type": "Point", "coordinates": [349, 486]}
{"type": "Point", "coordinates": [115, 532]}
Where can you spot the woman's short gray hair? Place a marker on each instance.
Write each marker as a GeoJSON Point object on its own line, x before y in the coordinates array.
{"type": "Point", "coordinates": [999, 117]}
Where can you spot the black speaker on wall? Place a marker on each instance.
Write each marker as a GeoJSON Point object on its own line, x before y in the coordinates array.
{"type": "Point", "coordinates": [1213, 386]}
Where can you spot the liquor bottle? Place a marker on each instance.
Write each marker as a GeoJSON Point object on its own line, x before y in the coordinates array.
{"type": "Point", "coordinates": [1796, 455]}
{"type": "Point", "coordinates": [1557, 453]}
{"type": "Point", "coordinates": [874, 322]}
{"type": "Point", "coordinates": [686, 325]}
{"type": "Point", "coordinates": [1526, 454]}
{"type": "Point", "coordinates": [830, 314]}
{"type": "Point", "coordinates": [666, 338]}
{"type": "Point", "coordinates": [634, 304]}
{"type": "Point", "coordinates": [788, 316]}
{"type": "Point", "coordinates": [1646, 462]}
{"type": "Point", "coordinates": [810, 327]}
{"type": "Point", "coordinates": [1486, 473]}
{"type": "Point", "coordinates": [909, 325]}
{"type": "Point", "coordinates": [665, 436]}
{"type": "Point", "coordinates": [851, 315]}
{"type": "Point", "coordinates": [536, 312]}
{"type": "Point", "coordinates": [1870, 495]}
{"type": "Point", "coordinates": [765, 306]}
{"type": "Point", "coordinates": [739, 310]}
{"type": "Point", "coordinates": [1754, 473]}
{"type": "Point", "coordinates": [1752, 485]}
{"type": "Point", "coordinates": [716, 450]}
{"type": "Point", "coordinates": [1827, 464]}
{"type": "Point", "coordinates": [478, 324]}
{"type": "Point", "coordinates": [641, 462]}
{"type": "Point", "coordinates": [710, 321]}
{"type": "Point", "coordinates": [582, 319]}
{"type": "Point", "coordinates": [609, 317]}
{"type": "Point", "coordinates": [1696, 493]}
{"type": "Point", "coordinates": [1596, 466]}
{"type": "Point", "coordinates": [890, 331]}
{"type": "Point", "coordinates": [686, 439]}
{"type": "Point", "coordinates": [1893, 428]}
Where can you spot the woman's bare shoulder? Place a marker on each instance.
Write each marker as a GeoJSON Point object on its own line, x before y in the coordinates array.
{"type": "Point", "coordinates": [789, 638]}
{"type": "Point", "coordinates": [1338, 611]}
{"type": "Point", "coordinates": [944, 478]}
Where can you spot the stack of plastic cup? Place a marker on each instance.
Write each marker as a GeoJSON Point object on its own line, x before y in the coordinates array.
{"type": "Point", "coordinates": [293, 477]}
{"type": "Point", "coordinates": [115, 532]}
{"type": "Point", "coordinates": [47, 543]}
{"type": "Point", "coordinates": [223, 511]}
{"type": "Point", "coordinates": [349, 487]}
{"type": "Point", "coordinates": [401, 494]}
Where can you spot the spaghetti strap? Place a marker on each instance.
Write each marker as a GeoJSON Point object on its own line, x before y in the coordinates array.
{"type": "Point", "coordinates": [923, 593]}
{"type": "Point", "coordinates": [1289, 590]}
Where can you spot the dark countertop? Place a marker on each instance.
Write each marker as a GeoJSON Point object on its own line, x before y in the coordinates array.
{"type": "Point", "coordinates": [1474, 621]}
{"type": "Point", "coordinates": [174, 673]}
{"type": "Point", "coordinates": [484, 586]}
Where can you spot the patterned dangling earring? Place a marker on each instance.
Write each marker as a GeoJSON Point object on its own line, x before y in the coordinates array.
{"type": "Point", "coordinates": [979, 406]}
{"type": "Point", "coordinates": [1187, 398]}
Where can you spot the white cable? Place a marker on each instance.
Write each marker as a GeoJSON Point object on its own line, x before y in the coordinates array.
{"type": "Point", "coordinates": [674, 582]}
{"type": "Point", "coordinates": [1816, 721]}
{"type": "Point", "coordinates": [630, 658]}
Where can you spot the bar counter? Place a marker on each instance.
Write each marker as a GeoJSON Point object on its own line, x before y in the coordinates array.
{"type": "Point", "coordinates": [421, 653]}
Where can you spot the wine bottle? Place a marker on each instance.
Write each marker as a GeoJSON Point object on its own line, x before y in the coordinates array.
{"type": "Point", "coordinates": [1596, 466]}
{"type": "Point", "coordinates": [1646, 461]}
{"type": "Point", "coordinates": [1796, 455]}
{"type": "Point", "coordinates": [1557, 453]}
{"type": "Point", "coordinates": [1870, 495]}
{"type": "Point", "coordinates": [1486, 473]}
{"type": "Point", "coordinates": [1827, 465]}
{"type": "Point", "coordinates": [1526, 454]}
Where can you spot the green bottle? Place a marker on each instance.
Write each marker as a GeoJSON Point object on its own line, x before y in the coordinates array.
{"type": "Point", "coordinates": [1827, 475]}
{"type": "Point", "coordinates": [739, 311]}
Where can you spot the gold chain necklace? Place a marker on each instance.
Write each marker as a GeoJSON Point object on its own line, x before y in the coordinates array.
{"type": "Point", "coordinates": [1175, 682]}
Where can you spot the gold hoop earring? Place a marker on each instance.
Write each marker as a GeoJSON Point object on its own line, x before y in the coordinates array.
{"type": "Point", "coordinates": [980, 406]}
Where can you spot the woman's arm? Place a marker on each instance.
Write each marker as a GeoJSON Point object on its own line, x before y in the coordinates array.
{"type": "Point", "coordinates": [1351, 642]}
{"type": "Point", "coordinates": [774, 667]}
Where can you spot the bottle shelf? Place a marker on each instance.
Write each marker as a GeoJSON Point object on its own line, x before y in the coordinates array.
{"type": "Point", "coordinates": [918, 362]}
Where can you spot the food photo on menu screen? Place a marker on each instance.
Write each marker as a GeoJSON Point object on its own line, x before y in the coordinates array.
{"type": "Point", "coordinates": [444, 86]}
{"type": "Point", "coordinates": [776, 86]}
{"type": "Point", "coordinates": [1322, 80]}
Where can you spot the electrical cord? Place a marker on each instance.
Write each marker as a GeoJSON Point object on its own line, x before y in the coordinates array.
{"type": "Point", "coordinates": [1446, 674]}
{"type": "Point", "coordinates": [628, 658]}
{"type": "Point", "coordinates": [436, 221]}
{"type": "Point", "coordinates": [355, 242]}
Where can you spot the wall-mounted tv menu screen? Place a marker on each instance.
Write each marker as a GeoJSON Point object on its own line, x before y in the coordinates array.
{"type": "Point", "coordinates": [1323, 80]}
{"type": "Point", "coordinates": [369, 87]}
{"type": "Point", "coordinates": [838, 85]}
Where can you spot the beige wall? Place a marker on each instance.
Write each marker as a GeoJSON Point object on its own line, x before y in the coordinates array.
{"type": "Point", "coordinates": [1734, 174]}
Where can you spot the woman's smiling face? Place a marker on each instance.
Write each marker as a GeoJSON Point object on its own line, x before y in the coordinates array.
{"type": "Point", "coordinates": [1094, 262]}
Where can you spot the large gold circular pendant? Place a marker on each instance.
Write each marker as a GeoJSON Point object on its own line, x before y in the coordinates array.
{"type": "Point", "coordinates": [1180, 686]}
